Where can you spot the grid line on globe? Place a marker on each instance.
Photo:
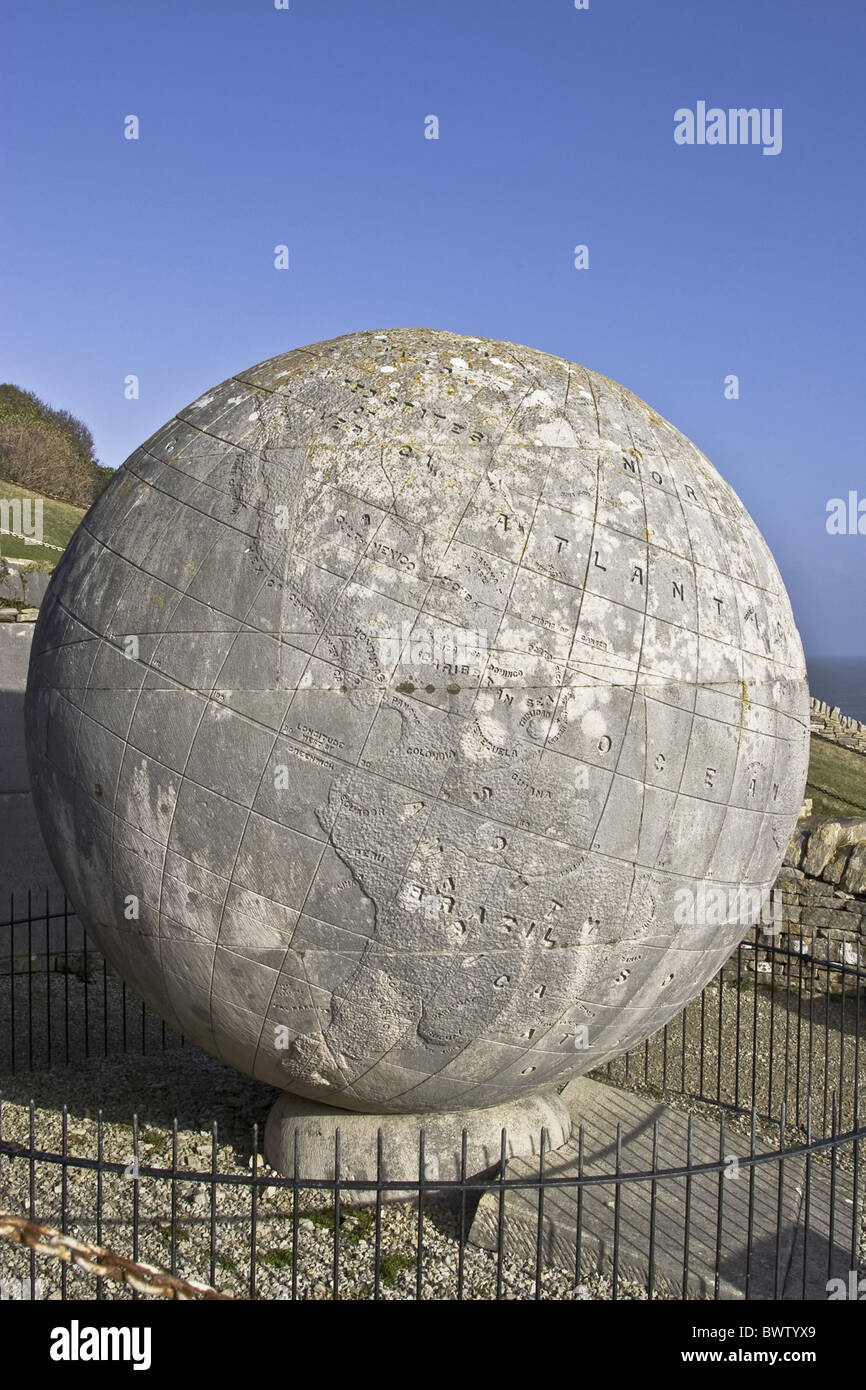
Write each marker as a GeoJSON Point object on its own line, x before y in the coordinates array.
{"type": "Point", "coordinates": [374, 870]}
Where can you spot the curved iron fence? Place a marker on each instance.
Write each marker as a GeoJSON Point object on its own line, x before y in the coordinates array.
{"type": "Point", "coordinates": [719, 1160]}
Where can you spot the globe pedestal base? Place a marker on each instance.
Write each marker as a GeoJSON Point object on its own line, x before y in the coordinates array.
{"type": "Point", "coordinates": [304, 1133]}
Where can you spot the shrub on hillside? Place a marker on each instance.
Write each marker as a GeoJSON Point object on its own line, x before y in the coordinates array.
{"type": "Point", "coordinates": [47, 450]}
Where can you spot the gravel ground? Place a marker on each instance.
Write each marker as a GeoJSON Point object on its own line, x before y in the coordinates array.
{"type": "Point", "coordinates": [294, 1247]}
{"type": "Point", "coordinates": [767, 1043]}
{"type": "Point", "coordinates": [185, 1082]}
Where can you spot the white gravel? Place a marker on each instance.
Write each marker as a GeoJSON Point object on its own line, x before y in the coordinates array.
{"type": "Point", "coordinates": [117, 1084]}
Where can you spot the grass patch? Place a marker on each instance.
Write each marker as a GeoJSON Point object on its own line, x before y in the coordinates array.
{"type": "Point", "coordinates": [153, 1137]}
{"type": "Point", "coordinates": [837, 779]}
{"type": "Point", "coordinates": [181, 1234]}
{"type": "Point", "coordinates": [391, 1265]}
{"type": "Point", "coordinates": [365, 1227]}
{"type": "Point", "coordinates": [226, 1264]}
{"type": "Point", "coordinates": [59, 520]}
{"type": "Point", "coordinates": [322, 1219]}
{"type": "Point", "coordinates": [82, 966]}
{"type": "Point", "coordinates": [362, 1219]}
{"type": "Point", "coordinates": [276, 1259]}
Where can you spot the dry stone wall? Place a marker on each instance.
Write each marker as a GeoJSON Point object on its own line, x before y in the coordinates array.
{"type": "Point", "coordinates": [822, 885]}
{"type": "Point", "coordinates": [829, 722]}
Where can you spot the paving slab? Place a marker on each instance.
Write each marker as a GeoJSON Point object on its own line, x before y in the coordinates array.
{"type": "Point", "coordinates": [694, 1226]}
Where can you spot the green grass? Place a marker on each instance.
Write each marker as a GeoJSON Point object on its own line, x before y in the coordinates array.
{"type": "Point", "coordinates": [391, 1265]}
{"type": "Point", "coordinates": [153, 1137]}
{"type": "Point", "coordinates": [59, 520]}
{"type": "Point", "coordinates": [837, 779]}
{"type": "Point", "coordinates": [276, 1259]}
{"type": "Point", "coordinates": [180, 1235]}
{"type": "Point", "coordinates": [366, 1224]}
{"type": "Point", "coordinates": [324, 1219]}
{"type": "Point", "coordinates": [363, 1228]}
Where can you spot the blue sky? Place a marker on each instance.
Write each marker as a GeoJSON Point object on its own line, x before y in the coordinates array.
{"type": "Point", "coordinates": [306, 127]}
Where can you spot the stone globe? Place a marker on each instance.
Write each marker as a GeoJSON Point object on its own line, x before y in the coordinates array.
{"type": "Point", "coordinates": [410, 718]}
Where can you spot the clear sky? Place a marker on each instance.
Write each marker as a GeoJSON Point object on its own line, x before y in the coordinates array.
{"type": "Point", "coordinates": [306, 127]}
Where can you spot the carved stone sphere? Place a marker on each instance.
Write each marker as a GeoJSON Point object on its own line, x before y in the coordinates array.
{"type": "Point", "coordinates": [408, 717]}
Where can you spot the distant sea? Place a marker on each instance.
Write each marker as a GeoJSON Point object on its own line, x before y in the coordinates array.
{"type": "Point", "coordinates": [839, 680]}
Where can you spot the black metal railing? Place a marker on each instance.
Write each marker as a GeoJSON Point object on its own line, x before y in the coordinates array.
{"type": "Point", "coordinates": [721, 1159]}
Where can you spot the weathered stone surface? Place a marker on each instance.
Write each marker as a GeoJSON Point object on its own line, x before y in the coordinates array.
{"type": "Point", "coordinates": [824, 848]}
{"type": "Point", "coordinates": [821, 847]}
{"type": "Point", "coordinates": [389, 701]}
{"type": "Point", "coordinates": [11, 583]}
{"type": "Point", "coordinates": [854, 876]}
{"type": "Point", "coordinates": [307, 1131]}
{"type": "Point", "coordinates": [834, 871]}
{"type": "Point", "coordinates": [789, 878]}
{"type": "Point", "coordinates": [24, 863]}
{"type": "Point", "coordinates": [820, 918]}
{"type": "Point", "coordinates": [20, 583]}
{"type": "Point", "coordinates": [797, 848]}
{"type": "Point", "coordinates": [15, 647]}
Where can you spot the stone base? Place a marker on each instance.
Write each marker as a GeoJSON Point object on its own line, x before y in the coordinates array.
{"type": "Point", "coordinates": [316, 1126]}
